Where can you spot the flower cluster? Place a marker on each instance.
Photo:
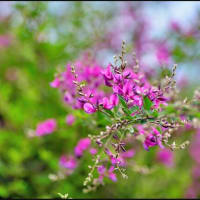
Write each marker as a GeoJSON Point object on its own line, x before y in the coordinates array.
{"type": "Point", "coordinates": [87, 72]}
{"type": "Point", "coordinates": [138, 103]}
{"type": "Point", "coordinates": [132, 87]}
{"type": "Point", "coordinates": [134, 107]}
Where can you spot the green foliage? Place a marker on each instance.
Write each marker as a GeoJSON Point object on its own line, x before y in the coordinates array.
{"type": "Point", "coordinates": [147, 103]}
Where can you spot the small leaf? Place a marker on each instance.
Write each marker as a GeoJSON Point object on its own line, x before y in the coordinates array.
{"type": "Point", "coordinates": [147, 103]}
{"type": "Point", "coordinates": [133, 109]}
{"type": "Point", "coordinates": [126, 111]}
{"type": "Point", "coordinates": [109, 112]}
{"type": "Point", "coordinates": [155, 113]}
{"type": "Point", "coordinates": [122, 101]}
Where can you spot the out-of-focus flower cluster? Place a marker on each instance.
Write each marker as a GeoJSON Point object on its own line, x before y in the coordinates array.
{"type": "Point", "coordinates": [88, 73]}
{"type": "Point", "coordinates": [193, 190]}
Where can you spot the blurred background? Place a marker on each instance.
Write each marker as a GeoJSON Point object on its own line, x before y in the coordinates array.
{"type": "Point", "coordinates": [37, 39]}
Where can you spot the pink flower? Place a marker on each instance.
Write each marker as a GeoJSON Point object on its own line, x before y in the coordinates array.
{"type": "Point", "coordinates": [70, 119]}
{"type": "Point", "coordinates": [93, 151]}
{"type": "Point", "coordinates": [196, 172]}
{"type": "Point", "coordinates": [68, 97]}
{"type": "Point", "coordinates": [175, 26]}
{"type": "Point", "coordinates": [104, 172]}
{"type": "Point", "coordinates": [153, 139]}
{"type": "Point", "coordinates": [113, 159]}
{"type": "Point", "coordinates": [89, 108]}
{"type": "Point", "coordinates": [55, 83]}
{"type": "Point", "coordinates": [112, 175]}
{"type": "Point", "coordinates": [165, 156]}
{"type": "Point", "coordinates": [46, 127]}
{"type": "Point", "coordinates": [127, 88]}
{"type": "Point", "coordinates": [128, 154]}
{"type": "Point", "coordinates": [5, 40]}
{"type": "Point", "coordinates": [106, 104]}
{"type": "Point", "coordinates": [110, 103]}
{"type": "Point", "coordinates": [90, 72]}
{"type": "Point", "coordinates": [82, 145]}
{"type": "Point", "coordinates": [194, 148]}
{"type": "Point", "coordinates": [107, 73]}
{"type": "Point", "coordinates": [101, 170]}
{"type": "Point", "coordinates": [191, 193]}
{"type": "Point", "coordinates": [68, 162]}
{"type": "Point", "coordinates": [163, 54]}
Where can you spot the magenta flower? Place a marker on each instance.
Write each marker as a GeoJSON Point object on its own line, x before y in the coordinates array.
{"type": "Point", "coordinates": [163, 54]}
{"type": "Point", "coordinates": [89, 108]}
{"type": "Point", "coordinates": [120, 161]}
{"type": "Point", "coordinates": [70, 119]}
{"type": "Point", "coordinates": [165, 156]}
{"type": "Point", "coordinates": [46, 127]}
{"type": "Point", "coordinates": [110, 103]}
{"type": "Point", "coordinates": [55, 83]}
{"type": "Point", "coordinates": [194, 148]}
{"type": "Point", "coordinates": [196, 172]}
{"type": "Point", "coordinates": [153, 139]}
{"type": "Point", "coordinates": [93, 151]}
{"type": "Point", "coordinates": [82, 145]}
{"type": "Point", "coordinates": [5, 40]}
{"type": "Point", "coordinates": [101, 170]}
{"type": "Point", "coordinates": [68, 162]}
{"type": "Point", "coordinates": [112, 175]}
{"type": "Point", "coordinates": [104, 172]}
{"type": "Point", "coordinates": [191, 193]}
{"type": "Point", "coordinates": [107, 73]}
{"type": "Point", "coordinates": [128, 154]}
{"type": "Point", "coordinates": [127, 88]}
{"type": "Point", "coordinates": [106, 104]}
{"type": "Point", "coordinates": [175, 26]}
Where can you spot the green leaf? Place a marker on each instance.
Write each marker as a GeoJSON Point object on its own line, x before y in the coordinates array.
{"type": "Point", "coordinates": [133, 109]}
{"type": "Point", "coordinates": [126, 111]}
{"type": "Point", "coordinates": [154, 113]}
{"type": "Point", "coordinates": [147, 103]}
{"type": "Point", "coordinates": [122, 101]}
{"type": "Point", "coordinates": [159, 129]}
{"type": "Point", "coordinates": [170, 109]}
{"type": "Point", "coordinates": [109, 112]}
{"type": "Point", "coordinates": [197, 115]}
{"type": "Point", "coordinates": [102, 118]}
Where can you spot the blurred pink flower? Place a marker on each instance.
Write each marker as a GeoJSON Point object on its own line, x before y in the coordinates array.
{"type": "Point", "coordinates": [112, 175]}
{"type": "Point", "coordinates": [196, 172]}
{"type": "Point", "coordinates": [153, 139]}
{"type": "Point", "coordinates": [68, 162]}
{"type": "Point", "coordinates": [191, 193]}
{"type": "Point", "coordinates": [46, 127]}
{"type": "Point", "coordinates": [70, 119]}
{"type": "Point", "coordinates": [104, 172]}
{"type": "Point", "coordinates": [93, 151]}
{"type": "Point", "coordinates": [128, 154]}
{"type": "Point", "coordinates": [55, 83]}
{"type": "Point", "coordinates": [82, 145]}
{"type": "Point", "coordinates": [175, 26]}
{"type": "Point", "coordinates": [195, 148]}
{"type": "Point", "coordinates": [163, 54]}
{"type": "Point", "coordinates": [5, 40]}
{"type": "Point", "coordinates": [165, 156]}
